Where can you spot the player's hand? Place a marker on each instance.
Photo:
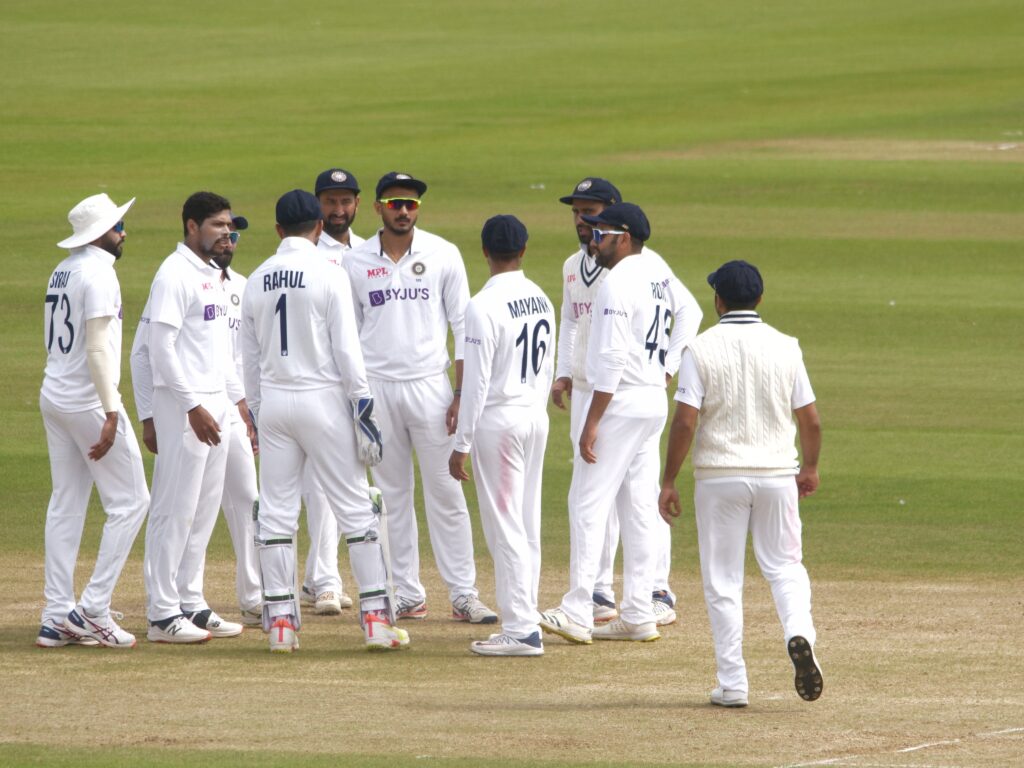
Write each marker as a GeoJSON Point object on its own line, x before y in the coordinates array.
{"type": "Point", "coordinates": [369, 441]}
{"type": "Point", "coordinates": [107, 434]}
{"type": "Point", "coordinates": [587, 439]}
{"type": "Point", "coordinates": [668, 504]}
{"type": "Point", "coordinates": [451, 416]}
{"type": "Point", "coordinates": [457, 465]}
{"type": "Point", "coordinates": [250, 426]}
{"type": "Point", "coordinates": [561, 386]}
{"type": "Point", "coordinates": [149, 435]}
{"type": "Point", "coordinates": [204, 425]}
{"type": "Point", "coordinates": [807, 481]}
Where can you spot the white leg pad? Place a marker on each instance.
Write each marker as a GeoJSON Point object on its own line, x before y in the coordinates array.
{"type": "Point", "coordinates": [277, 574]}
{"type": "Point", "coordinates": [368, 566]}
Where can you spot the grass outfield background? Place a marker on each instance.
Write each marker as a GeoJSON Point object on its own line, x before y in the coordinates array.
{"type": "Point", "coordinates": [867, 156]}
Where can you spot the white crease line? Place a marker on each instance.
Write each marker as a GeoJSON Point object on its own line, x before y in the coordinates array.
{"type": "Point", "coordinates": [926, 746]}
{"type": "Point", "coordinates": [828, 761]}
{"type": "Point", "coordinates": [1002, 733]}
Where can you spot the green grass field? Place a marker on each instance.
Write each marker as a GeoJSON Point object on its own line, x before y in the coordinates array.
{"type": "Point", "coordinates": [868, 157]}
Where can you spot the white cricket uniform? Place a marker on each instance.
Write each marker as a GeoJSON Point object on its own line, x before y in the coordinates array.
{"type": "Point", "coordinates": [240, 471]}
{"type": "Point", "coordinates": [629, 351]}
{"type": "Point", "coordinates": [191, 365]}
{"type": "Point", "coordinates": [581, 278]}
{"type": "Point", "coordinates": [322, 573]}
{"type": "Point", "coordinates": [503, 420]}
{"type": "Point", "coordinates": [746, 379]}
{"type": "Point", "coordinates": [84, 286]}
{"type": "Point", "coordinates": [303, 367]}
{"type": "Point", "coordinates": [404, 310]}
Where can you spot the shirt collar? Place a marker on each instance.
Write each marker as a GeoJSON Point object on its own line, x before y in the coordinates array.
{"type": "Point", "coordinates": [95, 252]}
{"type": "Point", "coordinates": [412, 246]}
{"type": "Point", "coordinates": [740, 317]}
{"type": "Point", "coordinates": [516, 275]}
{"type": "Point", "coordinates": [330, 242]}
{"type": "Point", "coordinates": [193, 259]}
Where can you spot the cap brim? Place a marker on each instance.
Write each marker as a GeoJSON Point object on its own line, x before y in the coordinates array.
{"type": "Point", "coordinates": [97, 229]}
{"type": "Point", "coordinates": [240, 222]}
{"type": "Point", "coordinates": [584, 196]}
{"type": "Point", "coordinates": [594, 220]}
{"type": "Point", "coordinates": [342, 185]}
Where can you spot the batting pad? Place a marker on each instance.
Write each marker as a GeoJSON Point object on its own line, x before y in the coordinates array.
{"type": "Point", "coordinates": [277, 574]}
{"type": "Point", "coordinates": [367, 560]}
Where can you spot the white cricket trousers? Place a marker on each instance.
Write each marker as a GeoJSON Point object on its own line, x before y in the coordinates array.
{"type": "Point", "coordinates": [322, 572]}
{"type": "Point", "coordinates": [121, 483]}
{"type": "Point", "coordinates": [726, 508]}
{"type": "Point", "coordinates": [411, 417]}
{"type": "Point", "coordinates": [240, 493]}
{"type": "Point", "coordinates": [605, 582]}
{"type": "Point", "coordinates": [188, 483]}
{"type": "Point", "coordinates": [626, 471]}
{"type": "Point", "coordinates": [508, 463]}
{"type": "Point", "coordinates": [308, 429]}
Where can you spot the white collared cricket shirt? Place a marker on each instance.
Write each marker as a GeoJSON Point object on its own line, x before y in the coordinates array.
{"type": "Point", "coordinates": [335, 250]}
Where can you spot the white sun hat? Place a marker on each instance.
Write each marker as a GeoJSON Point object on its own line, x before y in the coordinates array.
{"type": "Point", "coordinates": [91, 218]}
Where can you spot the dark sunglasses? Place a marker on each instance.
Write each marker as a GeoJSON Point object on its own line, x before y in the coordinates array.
{"type": "Point", "coordinates": [119, 227]}
{"type": "Point", "coordinates": [233, 237]}
{"type": "Point", "coordinates": [396, 203]}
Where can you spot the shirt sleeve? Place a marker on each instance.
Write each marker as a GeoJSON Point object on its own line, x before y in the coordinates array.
{"type": "Point", "coordinates": [102, 295]}
{"type": "Point", "coordinates": [480, 345]}
{"type": "Point", "coordinates": [802, 392]}
{"type": "Point", "coordinates": [163, 358]}
{"type": "Point", "coordinates": [142, 371]}
{"type": "Point", "coordinates": [456, 297]}
{"type": "Point", "coordinates": [250, 355]}
{"type": "Point", "coordinates": [345, 348]}
{"type": "Point", "coordinates": [567, 333]}
{"type": "Point", "coordinates": [611, 333]}
{"type": "Point", "coordinates": [690, 388]}
{"type": "Point", "coordinates": [685, 324]}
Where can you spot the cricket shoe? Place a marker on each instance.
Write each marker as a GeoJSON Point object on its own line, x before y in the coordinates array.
{"type": "Point", "coordinates": [619, 629]}
{"type": "Point", "coordinates": [506, 645]}
{"type": "Point", "coordinates": [344, 600]}
{"type": "Point", "coordinates": [808, 674]}
{"type": "Point", "coordinates": [54, 635]}
{"type": "Point", "coordinates": [469, 608]}
{"type": "Point", "coordinates": [731, 699]}
{"type": "Point", "coordinates": [178, 630]}
{"type": "Point", "coordinates": [410, 608]}
{"type": "Point", "coordinates": [252, 617]}
{"type": "Point", "coordinates": [327, 604]}
{"type": "Point", "coordinates": [604, 608]}
{"type": "Point", "coordinates": [284, 638]}
{"type": "Point", "coordinates": [307, 596]}
{"type": "Point", "coordinates": [103, 629]}
{"type": "Point", "coordinates": [381, 636]}
{"type": "Point", "coordinates": [556, 622]}
{"type": "Point", "coordinates": [664, 614]}
{"type": "Point", "coordinates": [214, 624]}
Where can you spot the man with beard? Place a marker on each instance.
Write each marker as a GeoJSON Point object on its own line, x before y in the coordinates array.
{"type": "Point", "coordinates": [338, 193]}
{"type": "Point", "coordinates": [89, 437]}
{"type": "Point", "coordinates": [410, 286]}
{"type": "Point", "coordinates": [194, 386]}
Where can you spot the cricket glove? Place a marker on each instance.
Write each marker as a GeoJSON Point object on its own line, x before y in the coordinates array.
{"type": "Point", "coordinates": [368, 438]}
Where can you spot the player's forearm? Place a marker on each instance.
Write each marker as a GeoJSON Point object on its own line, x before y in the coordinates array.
{"type": "Point", "coordinates": [102, 366]}
{"type": "Point", "coordinates": [809, 426]}
{"type": "Point", "coordinates": [598, 405]}
{"type": "Point", "coordinates": [680, 437]}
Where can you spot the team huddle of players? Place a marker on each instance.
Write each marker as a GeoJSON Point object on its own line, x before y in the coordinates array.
{"type": "Point", "coordinates": [332, 358]}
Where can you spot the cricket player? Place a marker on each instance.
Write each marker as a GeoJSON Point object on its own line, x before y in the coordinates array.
{"type": "Point", "coordinates": [637, 305]}
{"type": "Point", "coordinates": [507, 373]}
{"type": "Point", "coordinates": [89, 437]}
{"type": "Point", "coordinates": [410, 286]}
{"type": "Point", "coordinates": [305, 375]}
{"type": "Point", "coordinates": [240, 472]}
{"type": "Point", "coordinates": [741, 383]}
{"type": "Point", "coordinates": [581, 278]}
{"type": "Point", "coordinates": [338, 193]}
{"type": "Point", "coordinates": [195, 385]}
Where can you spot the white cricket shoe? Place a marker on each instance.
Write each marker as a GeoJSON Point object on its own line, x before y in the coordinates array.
{"type": "Point", "coordinates": [506, 645]}
{"type": "Point", "coordinates": [604, 608]}
{"type": "Point", "coordinates": [307, 596]}
{"type": "Point", "coordinates": [619, 629]}
{"type": "Point", "coordinates": [469, 608]}
{"type": "Point", "coordinates": [808, 679]}
{"type": "Point", "coordinates": [664, 614]}
{"type": "Point", "coordinates": [344, 600]}
{"type": "Point", "coordinates": [214, 624]}
{"type": "Point", "coordinates": [410, 608]}
{"type": "Point", "coordinates": [54, 635]}
{"type": "Point", "coordinates": [732, 699]}
{"type": "Point", "coordinates": [327, 604]}
{"type": "Point", "coordinates": [284, 638]}
{"type": "Point", "coordinates": [102, 629]}
{"type": "Point", "coordinates": [556, 622]}
{"type": "Point", "coordinates": [252, 617]}
{"type": "Point", "coordinates": [381, 636]}
{"type": "Point", "coordinates": [178, 630]}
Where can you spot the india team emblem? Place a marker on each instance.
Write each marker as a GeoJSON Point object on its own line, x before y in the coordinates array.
{"type": "Point", "coordinates": [235, 300]}
{"type": "Point", "coordinates": [339, 176]}
{"type": "Point", "coordinates": [584, 185]}
{"type": "Point", "coordinates": [419, 268]}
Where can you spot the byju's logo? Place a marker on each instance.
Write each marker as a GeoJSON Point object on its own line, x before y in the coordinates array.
{"type": "Point", "coordinates": [209, 312]}
{"type": "Point", "coordinates": [376, 298]}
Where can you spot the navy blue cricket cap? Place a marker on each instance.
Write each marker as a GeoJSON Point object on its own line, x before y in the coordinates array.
{"type": "Point", "coordinates": [625, 216]}
{"type": "Point", "coordinates": [737, 282]}
{"type": "Point", "coordinates": [240, 222]}
{"type": "Point", "coordinates": [335, 178]}
{"type": "Point", "coordinates": [593, 188]}
{"type": "Point", "coordinates": [504, 233]}
{"type": "Point", "coordinates": [298, 206]}
{"type": "Point", "coordinates": [396, 179]}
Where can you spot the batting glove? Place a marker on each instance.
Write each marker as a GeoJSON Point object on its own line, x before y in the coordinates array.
{"type": "Point", "coordinates": [368, 437]}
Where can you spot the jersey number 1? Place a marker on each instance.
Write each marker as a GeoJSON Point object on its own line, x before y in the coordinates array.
{"type": "Point", "coordinates": [282, 308]}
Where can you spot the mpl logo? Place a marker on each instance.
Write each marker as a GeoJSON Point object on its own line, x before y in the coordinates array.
{"type": "Point", "coordinates": [377, 272]}
{"type": "Point", "coordinates": [207, 286]}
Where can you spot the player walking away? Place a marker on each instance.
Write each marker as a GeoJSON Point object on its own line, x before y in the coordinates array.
{"type": "Point", "coordinates": [240, 471]}
{"type": "Point", "coordinates": [409, 287]}
{"type": "Point", "coordinates": [581, 278]}
{"type": "Point", "coordinates": [508, 368]}
{"type": "Point", "coordinates": [89, 437]}
{"type": "Point", "coordinates": [305, 376]}
{"type": "Point", "coordinates": [637, 304]}
{"type": "Point", "coordinates": [195, 385]}
{"type": "Point", "coordinates": [338, 193]}
{"type": "Point", "coordinates": [747, 381]}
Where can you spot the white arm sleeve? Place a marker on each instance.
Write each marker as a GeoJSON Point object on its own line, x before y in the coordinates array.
{"type": "Point", "coordinates": [101, 362]}
{"type": "Point", "coordinates": [163, 358]}
{"type": "Point", "coordinates": [456, 297]}
{"type": "Point", "coordinates": [685, 324]}
{"type": "Point", "coordinates": [142, 372]}
{"type": "Point", "coordinates": [567, 334]}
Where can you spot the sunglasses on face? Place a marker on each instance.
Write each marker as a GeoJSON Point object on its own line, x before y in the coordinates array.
{"type": "Point", "coordinates": [119, 227]}
{"type": "Point", "coordinates": [233, 237]}
{"type": "Point", "coordinates": [397, 203]}
{"type": "Point", "coordinates": [599, 233]}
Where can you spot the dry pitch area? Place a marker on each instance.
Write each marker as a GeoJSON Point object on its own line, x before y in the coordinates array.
{"type": "Point", "coordinates": [917, 674]}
